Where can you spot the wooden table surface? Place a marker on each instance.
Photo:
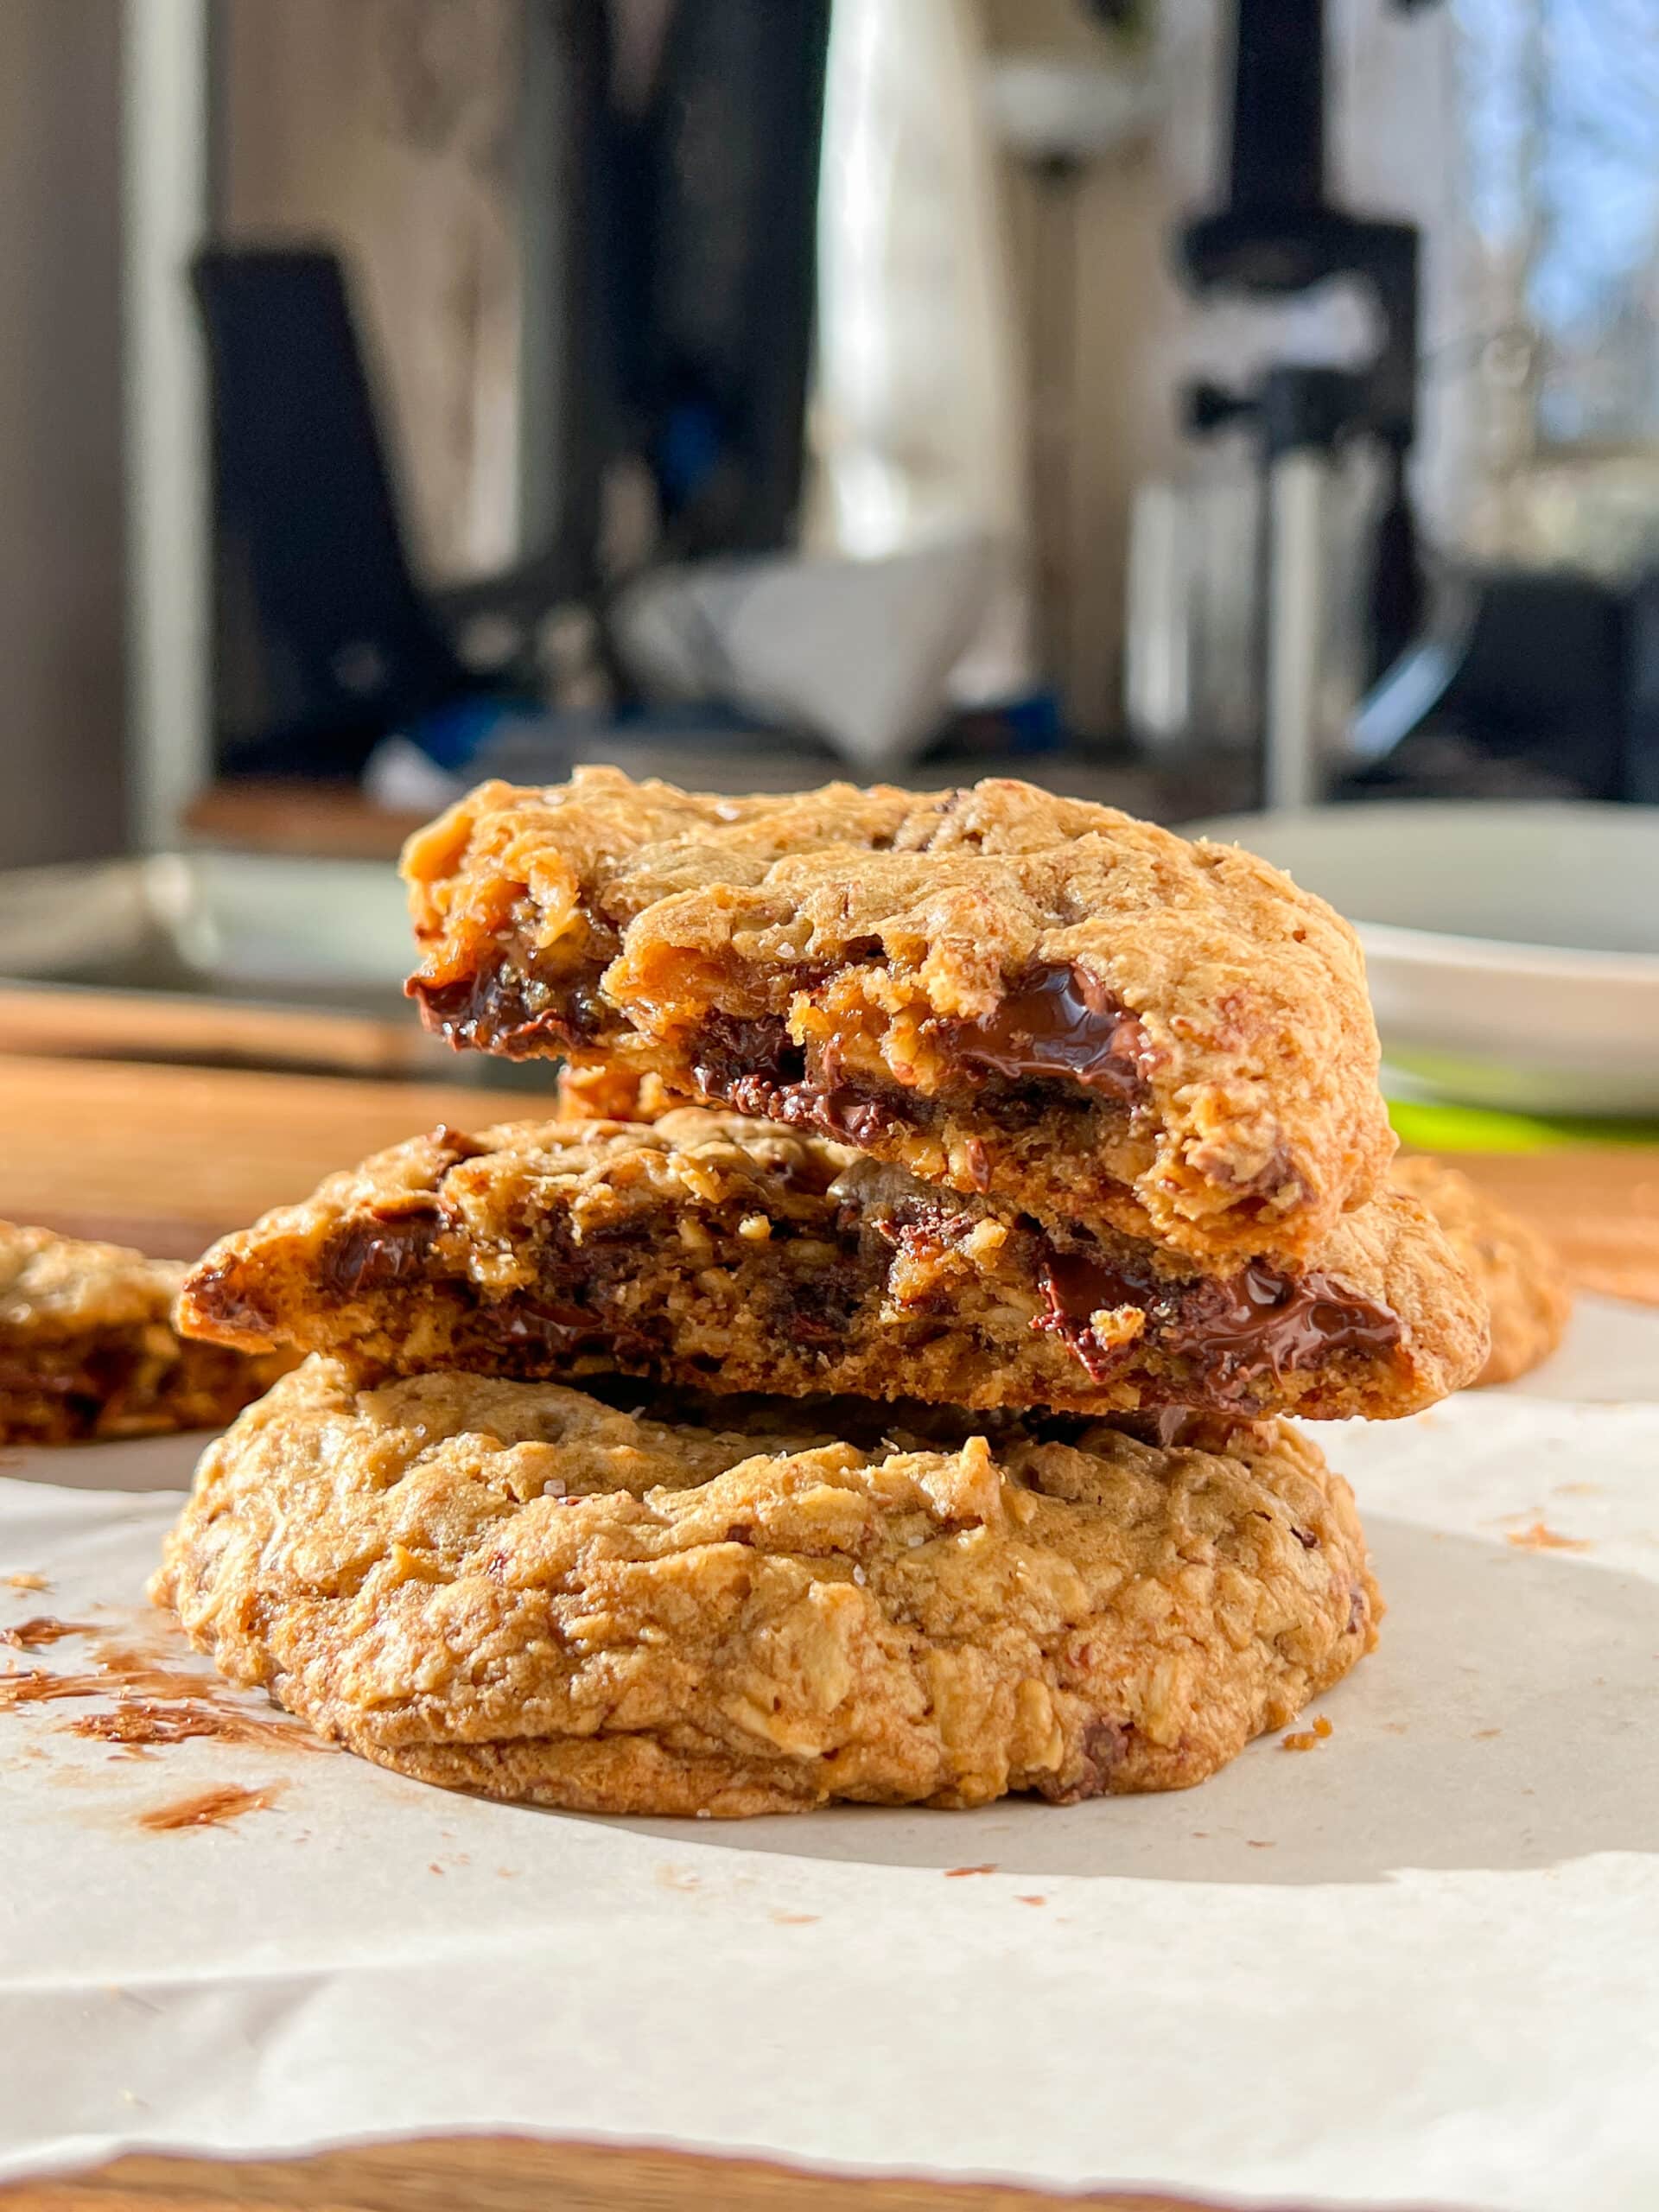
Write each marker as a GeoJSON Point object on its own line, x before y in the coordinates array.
{"type": "Point", "coordinates": [169, 1158]}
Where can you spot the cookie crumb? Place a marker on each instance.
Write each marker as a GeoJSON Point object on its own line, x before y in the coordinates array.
{"type": "Point", "coordinates": [1307, 1739]}
{"type": "Point", "coordinates": [1031, 1900]}
{"type": "Point", "coordinates": [955, 1874]}
{"type": "Point", "coordinates": [1538, 1538]}
{"type": "Point", "coordinates": [24, 1580]}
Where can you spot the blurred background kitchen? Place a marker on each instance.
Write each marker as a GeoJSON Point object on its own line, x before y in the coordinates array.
{"type": "Point", "coordinates": [1200, 405]}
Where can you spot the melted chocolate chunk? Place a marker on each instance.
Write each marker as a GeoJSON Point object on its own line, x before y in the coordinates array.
{"type": "Point", "coordinates": [542, 1325]}
{"type": "Point", "coordinates": [218, 1290]}
{"type": "Point", "coordinates": [759, 1057]}
{"type": "Point", "coordinates": [1237, 1331]}
{"type": "Point", "coordinates": [1105, 1746]}
{"type": "Point", "coordinates": [367, 1255]}
{"type": "Point", "coordinates": [1262, 1320]}
{"type": "Point", "coordinates": [755, 1067]}
{"type": "Point", "coordinates": [1060, 1035]}
{"type": "Point", "coordinates": [817, 1314]}
{"type": "Point", "coordinates": [506, 1008]}
{"type": "Point", "coordinates": [1060, 1022]}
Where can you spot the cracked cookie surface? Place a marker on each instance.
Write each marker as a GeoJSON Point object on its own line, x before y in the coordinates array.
{"type": "Point", "coordinates": [715, 1253]}
{"type": "Point", "coordinates": [994, 989]}
{"type": "Point", "coordinates": [515, 1589]}
{"type": "Point", "coordinates": [88, 1350]}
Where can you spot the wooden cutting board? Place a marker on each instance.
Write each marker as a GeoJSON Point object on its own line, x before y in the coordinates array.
{"type": "Point", "coordinates": [169, 1157]}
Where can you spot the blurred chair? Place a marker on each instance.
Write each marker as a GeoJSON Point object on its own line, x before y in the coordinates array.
{"type": "Point", "coordinates": [353, 646]}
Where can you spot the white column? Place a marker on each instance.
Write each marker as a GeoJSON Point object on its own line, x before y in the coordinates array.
{"type": "Point", "coordinates": [1296, 616]}
{"type": "Point", "coordinates": [164, 191]}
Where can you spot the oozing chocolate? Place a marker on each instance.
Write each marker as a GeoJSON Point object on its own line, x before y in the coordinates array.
{"type": "Point", "coordinates": [1232, 1334]}
{"type": "Point", "coordinates": [1237, 1330]}
{"type": "Point", "coordinates": [368, 1255]}
{"type": "Point", "coordinates": [505, 1007]}
{"type": "Point", "coordinates": [1061, 1021]}
{"type": "Point", "coordinates": [1057, 1038]}
{"type": "Point", "coordinates": [756, 1068]}
{"type": "Point", "coordinates": [618, 1290]}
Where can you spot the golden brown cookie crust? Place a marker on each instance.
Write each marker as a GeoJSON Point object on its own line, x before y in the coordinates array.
{"type": "Point", "coordinates": [88, 1350]}
{"type": "Point", "coordinates": [511, 1588]}
{"type": "Point", "coordinates": [711, 1252]}
{"type": "Point", "coordinates": [877, 964]}
{"type": "Point", "coordinates": [610, 1094]}
{"type": "Point", "coordinates": [1522, 1278]}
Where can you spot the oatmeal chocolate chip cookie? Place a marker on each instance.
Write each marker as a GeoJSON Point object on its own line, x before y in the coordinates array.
{"type": "Point", "coordinates": [993, 989]}
{"type": "Point", "coordinates": [88, 1350]}
{"type": "Point", "coordinates": [511, 1588]}
{"type": "Point", "coordinates": [1520, 1277]}
{"type": "Point", "coordinates": [711, 1252]}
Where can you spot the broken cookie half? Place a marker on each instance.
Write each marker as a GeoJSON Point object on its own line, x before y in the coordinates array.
{"type": "Point", "coordinates": [715, 1253]}
{"type": "Point", "coordinates": [1000, 991]}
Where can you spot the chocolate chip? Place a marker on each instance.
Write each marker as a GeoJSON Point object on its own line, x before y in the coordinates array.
{"type": "Point", "coordinates": [506, 1009]}
{"type": "Point", "coordinates": [754, 1064]}
{"type": "Point", "coordinates": [1058, 1020]}
{"type": "Point", "coordinates": [1236, 1331]}
{"type": "Point", "coordinates": [218, 1292]}
{"type": "Point", "coordinates": [1105, 1743]}
{"type": "Point", "coordinates": [362, 1257]}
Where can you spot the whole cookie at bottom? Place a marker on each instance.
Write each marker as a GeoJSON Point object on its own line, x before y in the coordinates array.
{"type": "Point", "coordinates": [515, 1589]}
{"type": "Point", "coordinates": [1525, 1287]}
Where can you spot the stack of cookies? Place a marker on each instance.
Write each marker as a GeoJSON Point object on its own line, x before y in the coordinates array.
{"type": "Point", "coordinates": [901, 1420]}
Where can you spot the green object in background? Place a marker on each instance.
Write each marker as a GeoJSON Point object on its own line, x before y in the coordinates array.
{"type": "Point", "coordinates": [1478, 1128]}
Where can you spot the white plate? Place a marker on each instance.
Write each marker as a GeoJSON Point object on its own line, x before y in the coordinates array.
{"type": "Point", "coordinates": [1513, 950]}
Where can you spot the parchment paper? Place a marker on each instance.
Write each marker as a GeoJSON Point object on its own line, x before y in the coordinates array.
{"type": "Point", "coordinates": [1417, 1964]}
